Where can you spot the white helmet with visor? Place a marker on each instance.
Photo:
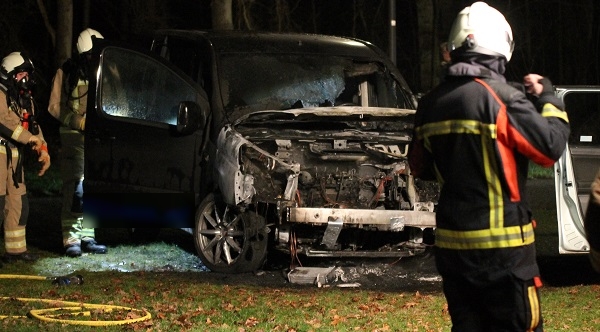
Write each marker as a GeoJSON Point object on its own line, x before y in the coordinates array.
{"type": "Point", "coordinates": [482, 29]}
{"type": "Point", "coordinates": [84, 41]}
{"type": "Point", "coordinates": [16, 62]}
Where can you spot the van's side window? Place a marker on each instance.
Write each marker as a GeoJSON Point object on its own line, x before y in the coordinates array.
{"type": "Point", "coordinates": [147, 90]}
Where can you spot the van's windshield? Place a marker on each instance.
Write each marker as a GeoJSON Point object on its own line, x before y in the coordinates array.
{"type": "Point", "coordinates": [256, 82]}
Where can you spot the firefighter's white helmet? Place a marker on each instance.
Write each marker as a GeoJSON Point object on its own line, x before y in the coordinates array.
{"type": "Point", "coordinates": [482, 29]}
{"type": "Point", "coordinates": [84, 41]}
{"type": "Point", "coordinates": [16, 62]}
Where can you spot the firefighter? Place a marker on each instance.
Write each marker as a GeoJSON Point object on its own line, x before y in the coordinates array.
{"type": "Point", "coordinates": [18, 129]}
{"type": "Point", "coordinates": [475, 134]}
{"type": "Point", "coordinates": [68, 102]}
{"type": "Point", "coordinates": [592, 223]}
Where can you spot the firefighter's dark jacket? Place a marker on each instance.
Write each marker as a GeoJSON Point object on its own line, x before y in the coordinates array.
{"type": "Point", "coordinates": [475, 134]}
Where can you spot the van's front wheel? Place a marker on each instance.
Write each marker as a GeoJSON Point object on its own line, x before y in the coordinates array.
{"type": "Point", "coordinates": [227, 240]}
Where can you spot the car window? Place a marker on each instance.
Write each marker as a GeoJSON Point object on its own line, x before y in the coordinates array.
{"type": "Point", "coordinates": [137, 86]}
{"type": "Point", "coordinates": [584, 118]}
{"type": "Point", "coordinates": [583, 108]}
{"type": "Point", "coordinates": [188, 55]}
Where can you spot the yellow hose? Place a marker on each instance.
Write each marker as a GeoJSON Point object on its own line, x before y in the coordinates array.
{"type": "Point", "coordinates": [21, 276]}
{"type": "Point", "coordinates": [77, 308]}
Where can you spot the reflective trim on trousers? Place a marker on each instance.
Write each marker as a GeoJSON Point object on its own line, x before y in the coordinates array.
{"type": "Point", "coordinates": [506, 237]}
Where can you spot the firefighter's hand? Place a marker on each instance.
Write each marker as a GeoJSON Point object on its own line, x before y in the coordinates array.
{"type": "Point", "coordinates": [537, 84]}
{"type": "Point", "coordinates": [35, 142]}
{"type": "Point", "coordinates": [44, 159]}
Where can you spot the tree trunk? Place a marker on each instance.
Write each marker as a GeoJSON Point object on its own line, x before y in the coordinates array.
{"type": "Point", "coordinates": [222, 18]}
{"type": "Point", "coordinates": [64, 31]}
{"type": "Point", "coordinates": [427, 41]}
{"type": "Point", "coordinates": [86, 14]}
{"type": "Point", "coordinates": [282, 12]}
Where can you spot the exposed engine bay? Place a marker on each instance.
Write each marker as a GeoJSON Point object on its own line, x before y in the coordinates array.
{"type": "Point", "coordinates": [330, 182]}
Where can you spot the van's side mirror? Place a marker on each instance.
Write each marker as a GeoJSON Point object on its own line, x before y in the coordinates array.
{"type": "Point", "coordinates": [190, 117]}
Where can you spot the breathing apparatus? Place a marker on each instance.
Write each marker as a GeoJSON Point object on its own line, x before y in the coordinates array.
{"type": "Point", "coordinates": [19, 88]}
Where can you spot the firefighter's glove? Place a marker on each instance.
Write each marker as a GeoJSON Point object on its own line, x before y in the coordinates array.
{"type": "Point", "coordinates": [547, 89]}
{"type": "Point", "coordinates": [541, 87]}
{"type": "Point", "coordinates": [44, 159]}
{"type": "Point", "coordinates": [537, 84]}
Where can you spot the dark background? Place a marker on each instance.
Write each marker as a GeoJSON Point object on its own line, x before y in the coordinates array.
{"type": "Point", "coordinates": [556, 38]}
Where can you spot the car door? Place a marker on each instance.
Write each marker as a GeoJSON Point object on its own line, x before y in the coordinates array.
{"type": "Point", "coordinates": [135, 147]}
{"type": "Point", "coordinates": [575, 170]}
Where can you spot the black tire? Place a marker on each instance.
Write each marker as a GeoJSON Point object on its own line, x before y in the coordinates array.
{"type": "Point", "coordinates": [228, 241]}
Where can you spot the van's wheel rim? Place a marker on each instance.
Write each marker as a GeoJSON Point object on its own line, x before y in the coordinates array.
{"type": "Point", "coordinates": [222, 235]}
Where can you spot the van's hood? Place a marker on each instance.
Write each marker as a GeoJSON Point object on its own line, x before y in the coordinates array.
{"type": "Point", "coordinates": [312, 113]}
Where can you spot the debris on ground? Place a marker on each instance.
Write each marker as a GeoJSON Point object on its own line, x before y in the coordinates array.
{"type": "Point", "coordinates": [311, 275]}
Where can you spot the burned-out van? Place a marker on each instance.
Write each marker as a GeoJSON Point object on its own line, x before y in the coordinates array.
{"type": "Point", "coordinates": [289, 142]}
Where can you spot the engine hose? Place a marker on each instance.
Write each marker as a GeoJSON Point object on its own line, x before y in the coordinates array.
{"type": "Point", "coordinates": [77, 308]}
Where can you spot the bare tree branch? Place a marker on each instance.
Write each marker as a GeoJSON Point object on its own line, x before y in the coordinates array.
{"type": "Point", "coordinates": [245, 13]}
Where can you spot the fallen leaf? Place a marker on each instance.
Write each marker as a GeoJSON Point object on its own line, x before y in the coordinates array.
{"type": "Point", "coordinates": [251, 322]}
{"type": "Point", "coordinates": [410, 304]}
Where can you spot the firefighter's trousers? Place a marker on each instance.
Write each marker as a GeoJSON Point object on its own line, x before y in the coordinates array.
{"type": "Point", "coordinates": [71, 166]}
{"type": "Point", "coordinates": [13, 203]}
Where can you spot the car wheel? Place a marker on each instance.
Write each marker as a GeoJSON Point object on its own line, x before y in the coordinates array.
{"type": "Point", "coordinates": [228, 241]}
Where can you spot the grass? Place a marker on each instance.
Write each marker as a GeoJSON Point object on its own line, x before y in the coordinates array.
{"type": "Point", "coordinates": [168, 282]}
{"type": "Point", "coordinates": [183, 301]}
{"type": "Point", "coordinates": [200, 306]}
{"type": "Point", "coordinates": [539, 172]}
{"type": "Point", "coordinates": [171, 284]}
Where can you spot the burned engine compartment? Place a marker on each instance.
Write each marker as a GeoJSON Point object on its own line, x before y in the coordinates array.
{"type": "Point", "coordinates": [334, 185]}
{"type": "Point", "coordinates": [333, 173]}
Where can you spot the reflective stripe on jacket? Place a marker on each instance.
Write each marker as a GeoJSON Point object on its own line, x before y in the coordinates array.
{"type": "Point", "coordinates": [475, 135]}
